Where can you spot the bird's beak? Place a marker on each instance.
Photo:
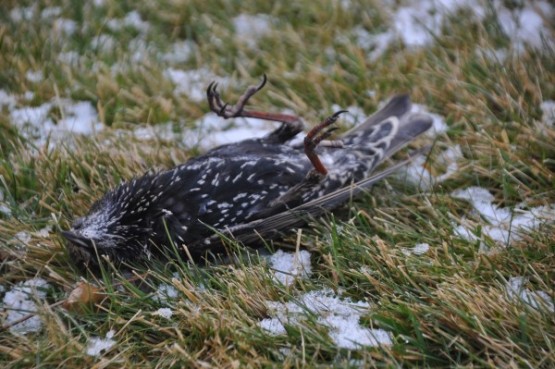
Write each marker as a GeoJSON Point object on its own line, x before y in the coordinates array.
{"type": "Point", "coordinates": [76, 239]}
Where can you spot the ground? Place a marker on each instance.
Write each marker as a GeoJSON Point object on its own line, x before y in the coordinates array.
{"type": "Point", "coordinates": [449, 263]}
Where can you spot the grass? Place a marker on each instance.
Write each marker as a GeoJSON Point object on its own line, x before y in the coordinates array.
{"type": "Point", "coordinates": [447, 308]}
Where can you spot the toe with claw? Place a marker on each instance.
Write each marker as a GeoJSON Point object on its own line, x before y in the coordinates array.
{"type": "Point", "coordinates": [315, 136]}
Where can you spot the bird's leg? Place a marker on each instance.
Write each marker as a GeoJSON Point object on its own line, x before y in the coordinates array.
{"type": "Point", "coordinates": [316, 136]}
{"type": "Point", "coordinates": [291, 124]}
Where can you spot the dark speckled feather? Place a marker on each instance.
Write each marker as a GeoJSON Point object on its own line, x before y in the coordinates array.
{"type": "Point", "coordinates": [246, 189]}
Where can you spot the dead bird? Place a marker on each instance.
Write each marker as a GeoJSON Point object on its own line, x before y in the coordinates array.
{"type": "Point", "coordinates": [252, 189]}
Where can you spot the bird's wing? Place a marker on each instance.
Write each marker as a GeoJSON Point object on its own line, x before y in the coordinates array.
{"type": "Point", "coordinates": [270, 227]}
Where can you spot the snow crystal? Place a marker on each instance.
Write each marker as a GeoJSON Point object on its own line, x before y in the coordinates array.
{"type": "Point", "coordinates": [536, 299]}
{"type": "Point", "coordinates": [548, 112]}
{"type": "Point", "coordinates": [341, 316]}
{"type": "Point", "coordinates": [164, 313]}
{"type": "Point", "coordinates": [19, 302]}
{"type": "Point", "coordinates": [249, 28]}
{"type": "Point", "coordinates": [504, 225]}
{"type": "Point", "coordinates": [98, 346]}
{"type": "Point", "coordinates": [288, 266]}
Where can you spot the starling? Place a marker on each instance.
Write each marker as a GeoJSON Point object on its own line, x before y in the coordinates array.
{"type": "Point", "coordinates": [252, 189]}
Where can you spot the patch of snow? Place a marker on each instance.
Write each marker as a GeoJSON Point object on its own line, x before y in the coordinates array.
{"type": "Point", "coordinates": [24, 237]}
{"type": "Point", "coordinates": [80, 117]}
{"type": "Point", "coordinates": [193, 83]}
{"type": "Point", "coordinates": [548, 112]}
{"type": "Point", "coordinates": [132, 19]}
{"type": "Point", "coordinates": [214, 131]}
{"type": "Point", "coordinates": [536, 299]}
{"type": "Point", "coordinates": [417, 174]}
{"type": "Point", "coordinates": [44, 232]}
{"type": "Point", "coordinates": [5, 209]}
{"type": "Point", "coordinates": [418, 249]}
{"type": "Point", "coordinates": [375, 44]}
{"type": "Point", "coordinates": [419, 22]}
{"type": "Point", "coordinates": [77, 117]}
{"type": "Point", "coordinates": [438, 122]}
{"type": "Point", "coordinates": [249, 28]}
{"type": "Point", "coordinates": [493, 55]}
{"type": "Point", "coordinates": [22, 14]}
{"type": "Point", "coordinates": [98, 346]}
{"type": "Point", "coordinates": [165, 292]}
{"type": "Point", "coordinates": [164, 313]}
{"type": "Point", "coordinates": [65, 26]}
{"type": "Point", "coordinates": [69, 57]}
{"type": "Point", "coordinates": [162, 131]}
{"type": "Point", "coordinates": [19, 302]}
{"type": "Point", "coordinates": [7, 99]}
{"type": "Point", "coordinates": [525, 25]}
{"type": "Point", "coordinates": [51, 12]}
{"type": "Point", "coordinates": [274, 326]}
{"type": "Point", "coordinates": [341, 316]}
{"type": "Point", "coordinates": [103, 42]}
{"type": "Point", "coordinates": [504, 225]}
{"type": "Point", "coordinates": [287, 266]}
{"type": "Point", "coordinates": [34, 76]}
{"type": "Point", "coordinates": [180, 52]}
{"type": "Point", "coordinates": [140, 49]}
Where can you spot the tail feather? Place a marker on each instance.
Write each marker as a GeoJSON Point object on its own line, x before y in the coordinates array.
{"type": "Point", "coordinates": [410, 126]}
{"type": "Point", "coordinates": [397, 106]}
{"type": "Point", "coordinates": [389, 129]}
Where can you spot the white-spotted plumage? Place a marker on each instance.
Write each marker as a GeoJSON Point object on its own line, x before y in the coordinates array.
{"type": "Point", "coordinates": [253, 188]}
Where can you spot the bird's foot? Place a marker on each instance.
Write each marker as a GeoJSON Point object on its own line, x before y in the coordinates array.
{"type": "Point", "coordinates": [318, 135]}
{"type": "Point", "coordinates": [292, 124]}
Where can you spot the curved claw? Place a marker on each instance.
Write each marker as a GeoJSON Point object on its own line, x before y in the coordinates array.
{"type": "Point", "coordinates": [338, 113]}
{"type": "Point", "coordinates": [263, 83]}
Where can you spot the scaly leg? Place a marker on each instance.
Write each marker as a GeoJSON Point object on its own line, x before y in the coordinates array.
{"type": "Point", "coordinates": [291, 124]}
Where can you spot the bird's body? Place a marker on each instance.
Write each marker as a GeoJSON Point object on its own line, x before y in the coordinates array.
{"type": "Point", "coordinates": [234, 186]}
